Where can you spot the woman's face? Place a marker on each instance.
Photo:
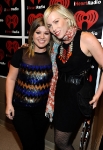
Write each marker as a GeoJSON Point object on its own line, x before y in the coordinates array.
{"type": "Point", "coordinates": [57, 24]}
{"type": "Point", "coordinates": [41, 37]}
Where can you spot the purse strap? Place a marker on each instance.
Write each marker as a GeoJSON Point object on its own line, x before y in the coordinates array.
{"type": "Point", "coordinates": [85, 134]}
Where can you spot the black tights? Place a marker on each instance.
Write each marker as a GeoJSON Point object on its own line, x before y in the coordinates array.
{"type": "Point", "coordinates": [62, 140]}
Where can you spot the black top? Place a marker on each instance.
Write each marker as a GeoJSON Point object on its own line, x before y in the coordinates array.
{"type": "Point", "coordinates": [21, 55]}
{"type": "Point", "coordinates": [33, 80]}
{"type": "Point", "coordinates": [78, 62]}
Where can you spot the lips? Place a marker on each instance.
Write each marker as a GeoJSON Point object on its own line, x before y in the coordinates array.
{"type": "Point", "coordinates": [57, 33]}
{"type": "Point", "coordinates": [41, 41]}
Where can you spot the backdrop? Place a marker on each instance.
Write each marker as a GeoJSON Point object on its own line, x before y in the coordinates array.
{"type": "Point", "coordinates": [16, 17]}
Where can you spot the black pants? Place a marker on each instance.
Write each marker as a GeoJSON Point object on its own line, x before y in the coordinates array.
{"type": "Point", "coordinates": [101, 144]}
{"type": "Point", "coordinates": [31, 126]}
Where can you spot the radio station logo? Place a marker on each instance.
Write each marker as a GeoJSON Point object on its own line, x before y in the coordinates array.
{"type": "Point", "coordinates": [89, 17]}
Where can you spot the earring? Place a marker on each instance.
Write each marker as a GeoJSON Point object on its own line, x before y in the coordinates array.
{"type": "Point", "coordinates": [32, 44]}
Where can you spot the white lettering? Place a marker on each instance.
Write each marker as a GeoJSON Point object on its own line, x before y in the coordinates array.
{"type": "Point", "coordinates": [40, 7]}
{"type": "Point", "coordinates": [87, 3]}
{"type": "Point", "coordinates": [2, 63]}
{"type": "Point", "coordinates": [94, 2]}
{"type": "Point", "coordinates": [94, 33]}
{"type": "Point", "coordinates": [14, 9]}
{"type": "Point", "coordinates": [1, 20]}
{"type": "Point", "coordinates": [15, 31]}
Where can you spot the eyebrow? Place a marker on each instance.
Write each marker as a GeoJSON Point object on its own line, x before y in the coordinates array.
{"type": "Point", "coordinates": [53, 21]}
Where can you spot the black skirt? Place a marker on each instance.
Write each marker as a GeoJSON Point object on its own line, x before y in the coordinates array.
{"type": "Point", "coordinates": [67, 115]}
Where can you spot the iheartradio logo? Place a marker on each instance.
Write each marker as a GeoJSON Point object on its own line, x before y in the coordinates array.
{"type": "Point", "coordinates": [89, 17]}
{"type": "Point", "coordinates": [8, 2]}
{"type": "Point", "coordinates": [12, 46]}
{"type": "Point", "coordinates": [11, 21]}
{"type": "Point", "coordinates": [1, 9]}
{"type": "Point", "coordinates": [1, 54]}
{"type": "Point", "coordinates": [32, 17]}
{"type": "Point", "coordinates": [65, 3]}
{"type": "Point", "coordinates": [34, 1]}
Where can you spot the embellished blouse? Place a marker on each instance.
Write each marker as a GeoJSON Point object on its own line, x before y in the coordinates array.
{"type": "Point", "coordinates": [33, 80]}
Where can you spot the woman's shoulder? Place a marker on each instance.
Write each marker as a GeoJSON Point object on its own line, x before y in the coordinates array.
{"type": "Point", "coordinates": [86, 35]}
{"type": "Point", "coordinates": [20, 51]}
{"type": "Point", "coordinates": [17, 57]}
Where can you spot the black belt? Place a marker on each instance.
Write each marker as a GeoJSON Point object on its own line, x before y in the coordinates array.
{"type": "Point", "coordinates": [77, 79]}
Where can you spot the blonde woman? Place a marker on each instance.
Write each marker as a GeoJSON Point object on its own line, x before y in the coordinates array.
{"type": "Point", "coordinates": [74, 55]}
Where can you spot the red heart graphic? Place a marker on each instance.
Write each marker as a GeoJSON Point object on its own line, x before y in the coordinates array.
{"type": "Point", "coordinates": [12, 46]}
{"type": "Point", "coordinates": [11, 21]}
{"type": "Point", "coordinates": [90, 18]}
{"type": "Point", "coordinates": [65, 3]}
{"type": "Point", "coordinates": [32, 17]}
{"type": "Point", "coordinates": [8, 2]}
{"type": "Point", "coordinates": [33, 1]}
{"type": "Point", "coordinates": [1, 54]}
{"type": "Point", "coordinates": [1, 9]}
{"type": "Point", "coordinates": [13, 2]}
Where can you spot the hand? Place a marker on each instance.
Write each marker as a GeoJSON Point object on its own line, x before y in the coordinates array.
{"type": "Point", "coordinates": [24, 46]}
{"type": "Point", "coordinates": [94, 101]}
{"type": "Point", "coordinates": [9, 111]}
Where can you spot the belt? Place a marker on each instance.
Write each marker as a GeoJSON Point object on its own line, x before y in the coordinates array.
{"type": "Point", "coordinates": [77, 79]}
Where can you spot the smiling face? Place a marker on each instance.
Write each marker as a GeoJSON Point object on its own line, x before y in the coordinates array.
{"type": "Point", "coordinates": [41, 37]}
{"type": "Point", "coordinates": [57, 24]}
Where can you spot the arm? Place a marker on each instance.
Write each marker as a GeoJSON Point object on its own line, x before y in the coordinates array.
{"type": "Point", "coordinates": [10, 83]}
{"type": "Point", "coordinates": [92, 47]}
{"type": "Point", "coordinates": [98, 93]}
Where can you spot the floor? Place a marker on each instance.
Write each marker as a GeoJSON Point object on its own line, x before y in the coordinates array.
{"type": "Point", "coordinates": [9, 139]}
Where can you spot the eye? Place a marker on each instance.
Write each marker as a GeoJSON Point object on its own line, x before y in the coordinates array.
{"type": "Point", "coordinates": [56, 21]}
{"type": "Point", "coordinates": [48, 26]}
{"type": "Point", "coordinates": [47, 33]}
{"type": "Point", "coordinates": [37, 32]}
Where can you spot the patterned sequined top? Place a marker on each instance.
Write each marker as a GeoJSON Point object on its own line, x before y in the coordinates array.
{"type": "Point", "coordinates": [33, 81]}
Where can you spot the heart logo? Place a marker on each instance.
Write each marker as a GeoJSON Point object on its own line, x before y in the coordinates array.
{"type": "Point", "coordinates": [1, 54]}
{"type": "Point", "coordinates": [33, 1]}
{"type": "Point", "coordinates": [11, 21]}
{"type": "Point", "coordinates": [89, 17]}
{"type": "Point", "coordinates": [65, 3]}
{"type": "Point", "coordinates": [32, 17]}
{"type": "Point", "coordinates": [12, 46]}
{"type": "Point", "coordinates": [8, 2]}
{"type": "Point", "coordinates": [1, 9]}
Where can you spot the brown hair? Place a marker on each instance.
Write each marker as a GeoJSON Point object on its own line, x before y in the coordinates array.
{"type": "Point", "coordinates": [35, 24]}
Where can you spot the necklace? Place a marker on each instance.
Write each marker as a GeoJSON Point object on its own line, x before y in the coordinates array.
{"type": "Point", "coordinates": [64, 54]}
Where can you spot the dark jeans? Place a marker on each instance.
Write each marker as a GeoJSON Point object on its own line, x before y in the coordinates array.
{"type": "Point", "coordinates": [31, 126]}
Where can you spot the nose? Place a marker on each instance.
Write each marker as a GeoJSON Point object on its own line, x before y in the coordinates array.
{"type": "Point", "coordinates": [53, 28]}
{"type": "Point", "coordinates": [42, 35]}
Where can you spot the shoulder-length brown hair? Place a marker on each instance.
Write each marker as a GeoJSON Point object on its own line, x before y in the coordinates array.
{"type": "Point", "coordinates": [35, 24]}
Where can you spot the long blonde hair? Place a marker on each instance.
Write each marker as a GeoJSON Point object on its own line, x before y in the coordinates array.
{"type": "Point", "coordinates": [35, 24]}
{"type": "Point", "coordinates": [64, 12]}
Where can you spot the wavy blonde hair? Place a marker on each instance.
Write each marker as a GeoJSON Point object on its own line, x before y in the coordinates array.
{"type": "Point", "coordinates": [64, 12]}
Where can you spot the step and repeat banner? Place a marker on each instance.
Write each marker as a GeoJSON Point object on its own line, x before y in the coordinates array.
{"type": "Point", "coordinates": [16, 17]}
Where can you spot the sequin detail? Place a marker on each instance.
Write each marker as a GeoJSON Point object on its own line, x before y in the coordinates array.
{"type": "Point", "coordinates": [33, 83]}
